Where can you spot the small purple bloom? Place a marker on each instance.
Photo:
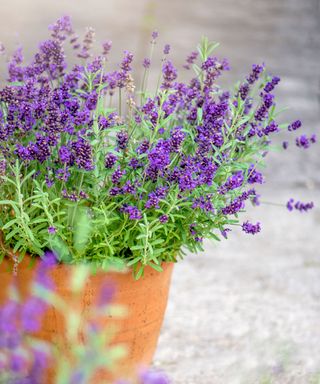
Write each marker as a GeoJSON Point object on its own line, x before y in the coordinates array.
{"type": "Point", "coordinates": [133, 212]}
{"type": "Point", "coordinates": [106, 294]}
{"type": "Point", "coordinates": [251, 228]}
{"type": "Point", "coordinates": [126, 61]}
{"type": "Point", "coordinates": [299, 206]}
{"type": "Point", "coordinates": [269, 87]}
{"type": "Point", "coordinates": [303, 142]}
{"type": "Point", "coordinates": [204, 203]}
{"type": "Point", "coordinates": [154, 35]}
{"type": "Point", "coordinates": [163, 219]}
{"type": "Point", "coordinates": [110, 160]}
{"type": "Point", "coordinates": [18, 362]}
{"type": "Point", "coordinates": [254, 176]}
{"type": "Point", "coordinates": [244, 91]}
{"type": "Point", "coordinates": [152, 377]}
{"type": "Point", "coordinates": [191, 59]}
{"type": "Point", "coordinates": [31, 313]}
{"type": "Point", "coordinates": [271, 128]}
{"type": "Point", "coordinates": [155, 197]}
{"type": "Point", "coordinates": [143, 147]}
{"type": "Point", "coordinates": [169, 74]}
{"type": "Point", "coordinates": [295, 125]}
{"type": "Point", "coordinates": [52, 230]}
{"type": "Point", "coordinates": [122, 139]}
{"type": "Point", "coordinates": [166, 49]}
{"type": "Point", "coordinates": [65, 155]}
{"type": "Point", "coordinates": [117, 175]}
{"type": "Point", "coordinates": [146, 63]}
{"type": "Point", "coordinates": [257, 69]}
{"type": "Point", "coordinates": [224, 232]}
{"type": "Point", "coordinates": [233, 182]}
{"type": "Point", "coordinates": [176, 137]}
{"type": "Point", "coordinates": [134, 163]}
{"type": "Point", "coordinates": [107, 45]}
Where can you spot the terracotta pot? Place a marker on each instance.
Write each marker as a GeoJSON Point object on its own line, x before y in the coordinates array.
{"type": "Point", "coordinates": [145, 300]}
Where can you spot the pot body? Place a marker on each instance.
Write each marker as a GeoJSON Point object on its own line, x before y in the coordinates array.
{"type": "Point", "coordinates": [145, 301]}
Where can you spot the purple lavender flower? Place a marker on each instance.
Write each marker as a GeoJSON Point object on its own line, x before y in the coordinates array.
{"type": "Point", "coordinates": [117, 175]}
{"type": "Point", "coordinates": [224, 232]}
{"type": "Point", "coordinates": [134, 163]}
{"type": "Point", "coordinates": [126, 61]}
{"type": "Point", "coordinates": [262, 111]}
{"type": "Point", "coordinates": [87, 44]}
{"type": "Point", "coordinates": [61, 28]}
{"type": "Point", "coordinates": [18, 362]}
{"type": "Point", "coordinates": [91, 102]}
{"type": "Point", "coordinates": [154, 35]}
{"type": "Point", "coordinates": [169, 74]}
{"type": "Point", "coordinates": [304, 142]}
{"type": "Point", "coordinates": [294, 126]}
{"type": "Point", "coordinates": [3, 167]}
{"type": "Point", "coordinates": [254, 176]}
{"type": "Point", "coordinates": [233, 182]}
{"type": "Point", "coordinates": [122, 139]}
{"type": "Point", "coordinates": [31, 313]}
{"type": "Point", "coordinates": [83, 195]}
{"type": "Point", "coordinates": [107, 122]}
{"type": "Point", "coordinates": [191, 59]}
{"type": "Point", "coordinates": [159, 156]}
{"type": "Point", "coordinates": [176, 138]}
{"type": "Point", "coordinates": [62, 174]}
{"type": "Point", "coordinates": [106, 294]}
{"type": "Point", "coordinates": [65, 155]}
{"type": "Point", "coordinates": [128, 188]}
{"type": "Point", "coordinates": [211, 62]}
{"type": "Point", "coordinates": [299, 206]}
{"type": "Point", "coordinates": [110, 160]}
{"type": "Point", "coordinates": [204, 203]}
{"type": "Point", "coordinates": [8, 316]}
{"type": "Point", "coordinates": [155, 197]}
{"type": "Point", "coordinates": [251, 228]}
{"type": "Point", "coordinates": [146, 63]}
{"type": "Point", "coordinates": [269, 87]}
{"type": "Point", "coordinates": [133, 212]}
{"type": "Point", "coordinates": [285, 144]}
{"type": "Point", "coordinates": [152, 377]}
{"type": "Point", "coordinates": [107, 45]}
{"type": "Point", "coordinates": [238, 203]}
{"type": "Point", "coordinates": [271, 128]}
{"type": "Point", "coordinates": [83, 154]}
{"type": "Point", "coordinates": [244, 90]}
{"type": "Point", "coordinates": [163, 219]}
{"type": "Point", "coordinates": [257, 69]}
{"type": "Point", "coordinates": [166, 49]}
{"type": "Point", "coordinates": [52, 230]}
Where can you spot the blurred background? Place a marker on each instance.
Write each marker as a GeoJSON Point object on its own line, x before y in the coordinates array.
{"type": "Point", "coordinates": [246, 310]}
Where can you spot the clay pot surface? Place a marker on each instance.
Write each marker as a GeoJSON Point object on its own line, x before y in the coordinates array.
{"type": "Point", "coordinates": [145, 301]}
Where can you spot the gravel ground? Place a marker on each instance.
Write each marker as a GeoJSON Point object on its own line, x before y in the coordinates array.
{"type": "Point", "coordinates": [248, 309]}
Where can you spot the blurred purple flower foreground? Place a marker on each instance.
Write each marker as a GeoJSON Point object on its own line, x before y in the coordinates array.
{"type": "Point", "coordinates": [24, 358]}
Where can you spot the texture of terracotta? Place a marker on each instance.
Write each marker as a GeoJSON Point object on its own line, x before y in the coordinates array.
{"type": "Point", "coordinates": [145, 300]}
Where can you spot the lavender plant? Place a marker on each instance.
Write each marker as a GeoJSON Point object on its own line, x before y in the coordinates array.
{"type": "Point", "coordinates": [154, 172]}
{"type": "Point", "coordinates": [25, 358]}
